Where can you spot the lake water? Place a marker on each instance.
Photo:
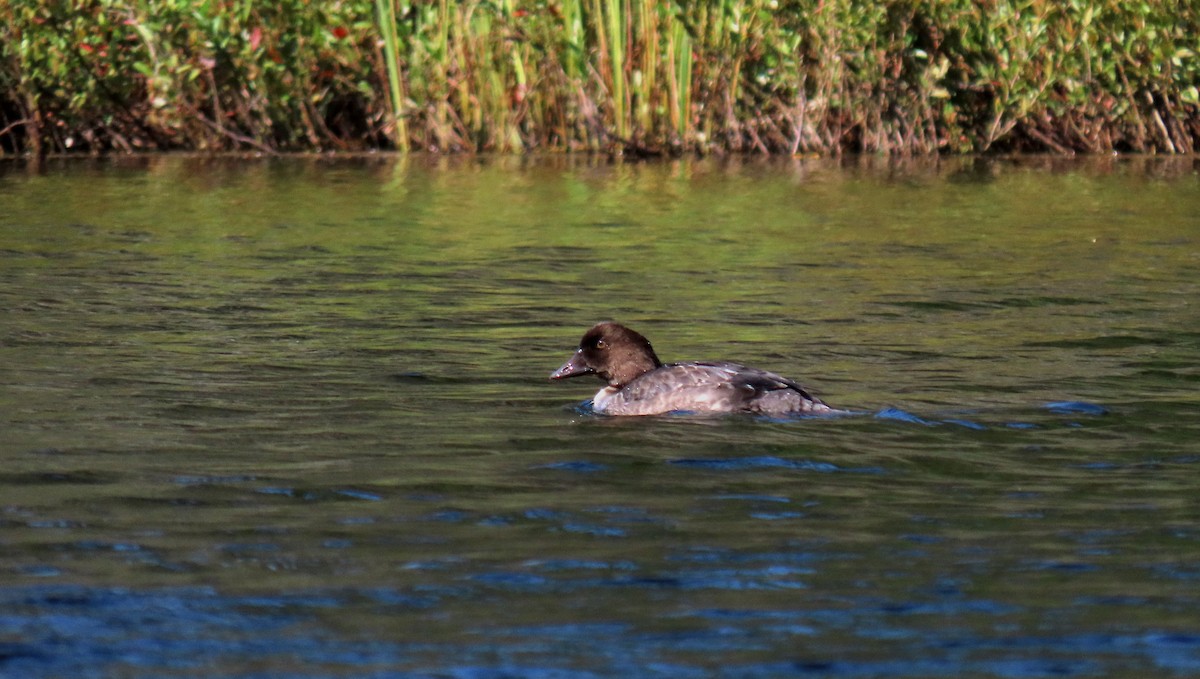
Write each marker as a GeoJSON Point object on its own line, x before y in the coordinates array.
{"type": "Point", "coordinates": [291, 418]}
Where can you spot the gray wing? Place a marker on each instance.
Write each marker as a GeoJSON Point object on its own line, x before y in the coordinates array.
{"type": "Point", "coordinates": [715, 386]}
{"type": "Point", "coordinates": [768, 392]}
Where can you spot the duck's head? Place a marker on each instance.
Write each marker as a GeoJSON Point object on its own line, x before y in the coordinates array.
{"type": "Point", "coordinates": [612, 352]}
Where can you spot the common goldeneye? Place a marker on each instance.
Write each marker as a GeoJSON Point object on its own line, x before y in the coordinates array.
{"type": "Point", "coordinates": [640, 384]}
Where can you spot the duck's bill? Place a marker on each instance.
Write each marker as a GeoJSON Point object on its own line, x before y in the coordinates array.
{"type": "Point", "coordinates": [572, 368]}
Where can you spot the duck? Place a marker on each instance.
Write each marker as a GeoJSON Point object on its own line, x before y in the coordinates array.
{"type": "Point", "coordinates": [640, 384]}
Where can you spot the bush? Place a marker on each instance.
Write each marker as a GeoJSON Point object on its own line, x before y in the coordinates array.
{"type": "Point", "coordinates": [634, 76]}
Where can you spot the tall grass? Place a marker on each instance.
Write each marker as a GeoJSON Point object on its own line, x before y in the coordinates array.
{"type": "Point", "coordinates": [623, 76]}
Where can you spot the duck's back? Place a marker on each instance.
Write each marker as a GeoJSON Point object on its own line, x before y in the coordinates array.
{"type": "Point", "coordinates": [709, 386]}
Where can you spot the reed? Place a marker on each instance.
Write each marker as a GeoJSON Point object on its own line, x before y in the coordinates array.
{"type": "Point", "coordinates": [643, 76]}
{"type": "Point", "coordinates": [385, 12]}
{"type": "Point", "coordinates": [679, 81]}
{"type": "Point", "coordinates": [572, 45]}
{"type": "Point", "coordinates": [610, 39]}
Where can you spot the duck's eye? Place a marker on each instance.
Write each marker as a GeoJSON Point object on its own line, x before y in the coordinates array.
{"type": "Point", "coordinates": [601, 344]}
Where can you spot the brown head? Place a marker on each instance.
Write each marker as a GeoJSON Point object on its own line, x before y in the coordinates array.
{"type": "Point", "coordinates": [612, 352]}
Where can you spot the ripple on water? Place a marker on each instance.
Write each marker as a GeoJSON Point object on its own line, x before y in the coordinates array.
{"type": "Point", "coordinates": [768, 462]}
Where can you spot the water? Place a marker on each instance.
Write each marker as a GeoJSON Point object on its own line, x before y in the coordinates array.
{"type": "Point", "coordinates": [291, 418]}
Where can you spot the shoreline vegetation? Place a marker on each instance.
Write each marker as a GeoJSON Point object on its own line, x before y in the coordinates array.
{"type": "Point", "coordinates": [632, 77]}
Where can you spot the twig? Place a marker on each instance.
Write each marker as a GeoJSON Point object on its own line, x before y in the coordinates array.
{"type": "Point", "coordinates": [8, 128]}
{"type": "Point", "coordinates": [235, 136]}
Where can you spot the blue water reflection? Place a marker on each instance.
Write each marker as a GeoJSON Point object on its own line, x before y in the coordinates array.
{"type": "Point", "coordinates": [77, 631]}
